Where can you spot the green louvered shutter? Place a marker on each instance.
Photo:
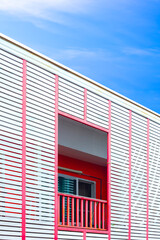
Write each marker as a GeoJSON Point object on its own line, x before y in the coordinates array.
{"type": "Point", "coordinates": [68, 186]}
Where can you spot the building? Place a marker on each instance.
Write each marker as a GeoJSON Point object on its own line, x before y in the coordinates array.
{"type": "Point", "coordinates": [77, 160]}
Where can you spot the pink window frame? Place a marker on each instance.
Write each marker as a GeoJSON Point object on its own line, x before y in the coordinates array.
{"type": "Point", "coordinates": [108, 131]}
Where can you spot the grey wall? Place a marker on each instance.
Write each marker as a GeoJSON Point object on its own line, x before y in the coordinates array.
{"type": "Point", "coordinates": [76, 136]}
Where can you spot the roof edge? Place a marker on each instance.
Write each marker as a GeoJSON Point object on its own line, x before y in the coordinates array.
{"type": "Point", "coordinates": [36, 53]}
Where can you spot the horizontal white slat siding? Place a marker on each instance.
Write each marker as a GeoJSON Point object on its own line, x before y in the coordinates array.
{"type": "Point", "coordinates": [70, 235]}
{"type": "Point", "coordinates": [139, 177]}
{"type": "Point", "coordinates": [71, 98]}
{"type": "Point", "coordinates": [97, 109]}
{"type": "Point", "coordinates": [40, 155]}
{"type": "Point", "coordinates": [119, 172]}
{"type": "Point", "coordinates": [154, 181]}
{"type": "Point", "coordinates": [96, 236]}
{"type": "Point", "coordinates": [10, 146]}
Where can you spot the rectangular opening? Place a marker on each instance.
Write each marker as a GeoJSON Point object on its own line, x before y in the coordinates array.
{"type": "Point", "coordinates": [82, 175]}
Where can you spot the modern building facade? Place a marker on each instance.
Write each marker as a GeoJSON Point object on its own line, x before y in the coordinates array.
{"type": "Point", "coordinates": [77, 160]}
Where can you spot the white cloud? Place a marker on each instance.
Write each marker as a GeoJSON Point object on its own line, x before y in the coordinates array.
{"type": "Point", "coordinates": [72, 53]}
{"type": "Point", "coordinates": [60, 11]}
{"type": "Point", "coordinates": [75, 53]}
{"type": "Point", "coordinates": [141, 52]}
{"type": "Point", "coordinates": [40, 7]}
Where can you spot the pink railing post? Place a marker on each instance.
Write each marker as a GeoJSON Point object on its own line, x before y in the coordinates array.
{"type": "Point", "coordinates": [106, 222]}
{"type": "Point", "coordinates": [90, 214]}
{"type": "Point", "coordinates": [103, 214]}
{"type": "Point", "coordinates": [99, 215]}
{"type": "Point", "coordinates": [84, 209]}
{"type": "Point", "coordinates": [72, 207]}
{"type": "Point", "coordinates": [58, 210]}
{"type": "Point", "coordinates": [95, 215]}
{"type": "Point", "coordinates": [63, 210]}
{"type": "Point", "coordinates": [86, 213]}
{"type": "Point", "coordinates": [81, 212]}
{"type": "Point", "coordinates": [68, 211]}
{"type": "Point", "coordinates": [77, 212]}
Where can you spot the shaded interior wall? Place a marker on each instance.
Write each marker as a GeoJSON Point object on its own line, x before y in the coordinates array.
{"type": "Point", "coordinates": [91, 169]}
{"type": "Point", "coordinates": [83, 138]}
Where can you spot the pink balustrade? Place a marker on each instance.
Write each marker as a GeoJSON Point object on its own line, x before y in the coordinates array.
{"type": "Point", "coordinates": [81, 212]}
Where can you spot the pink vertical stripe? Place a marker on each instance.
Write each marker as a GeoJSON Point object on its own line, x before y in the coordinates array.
{"type": "Point", "coordinates": [85, 104]}
{"type": "Point", "coordinates": [24, 151]}
{"type": "Point", "coordinates": [72, 211]}
{"type": "Point", "coordinates": [147, 224]}
{"type": "Point", "coordinates": [56, 157]}
{"type": "Point", "coordinates": [90, 214]}
{"type": "Point", "coordinates": [86, 213]}
{"type": "Point", "coordinates": [68, 211]}
{"type": "Point", "coordinates": [95, 215]}
{"type": "Point", "coordinates": [109, 172]}
{"type": "Point", "coordinates": [63, 210]}
{"type": "Point", "coordinates": [103, 211]}
{"type": "Point", "coordinates": [77, 212]}
{"type": "Point", "coordinates": [58, 210]}
{"type": "Point", "coordinates": [99, 215]}
{"type": "Point", "coordinates": [84, 235]}
{"type": "Point", "coordinates": [82, 212]}
{"type": "Point", "coordinates": [130, 151]}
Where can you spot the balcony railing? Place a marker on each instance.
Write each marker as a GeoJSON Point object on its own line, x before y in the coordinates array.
{"type": "Point", "coordinates": [82, 212]}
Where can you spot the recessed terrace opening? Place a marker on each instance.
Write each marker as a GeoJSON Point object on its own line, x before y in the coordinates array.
{"type": "Point", "coordinates": [82, 175]}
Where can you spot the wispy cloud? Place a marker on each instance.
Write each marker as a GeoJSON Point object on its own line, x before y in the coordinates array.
{"type": "Point", "coordinates": [72, 53]}
{"type": "Point", "coordinates": [56, 10]}
{"type": "Point", "coordinates": [35, 6]}
{"type": "Point", "coordinates": [46, 9]}
{"type": "Point", "coordinates": [98, 54]}
{"type": "Point", "coordinates": [141, 51]}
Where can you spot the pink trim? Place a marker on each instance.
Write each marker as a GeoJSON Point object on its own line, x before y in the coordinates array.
{"type": "Point", "coordinates": [77, 212]}
{"type": "Point", "coordinates": [58, 210]}
{"type": "Point", "coordinates": [103, 216]}
{"type": "Point", "coordinates": [71, 229]}
{"type": "Point", "coordinates": [24, 151]}
{"type": "Point", "coordinates": [56, 157]}
{"type": "Point", "coordinates": [97, 231]}
{"type": "Point", "coordinates": [99, 215]}
{"type": "Point", "coordinates": [82, 198]}
{"type": "Point", "coordinates": [109, 172]}
{"type": "Point", "coordinates": [86, 215]}
{"type": "Point", "coordinates": [63, 210]}
{"type": "Point", "coordinates": [130, 151]}
{"type": "Point", "coordinates": [68, 211]}
{"type": "Point", "coordinates": [85, 104]}
{"type": "Point", "coordinates": [95, 215]}
{"type": "Point", "coordinates": [81, 213]}
{"type": "Point", "coordinates": [72, 206]}
{"type": "Point", "coordinates": [90, 207]}
{"type": "Point", "coordinates": [85, 204]}
{"type": "Point", "coordinates": [147, 224]}
{"type": "Point", "coordinates": [82, 121]}
{"type": "Point", "coordinates": [84, 235]}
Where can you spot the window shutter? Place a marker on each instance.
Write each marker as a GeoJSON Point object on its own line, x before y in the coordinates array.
{"type": "Point", "coordinates": [66, 185]}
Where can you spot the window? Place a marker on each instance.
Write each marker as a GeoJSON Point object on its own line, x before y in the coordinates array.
{"type": "Point", "coordinates": [76, 186]}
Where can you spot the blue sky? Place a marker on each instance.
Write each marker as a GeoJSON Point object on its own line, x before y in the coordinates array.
{"type": "Point", "coordinates": [114, 42]}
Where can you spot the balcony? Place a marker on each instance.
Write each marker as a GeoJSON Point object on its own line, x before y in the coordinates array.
{"type": "Point", "coordinates": [82, 177]}
{"type": "Point", "coordinates": [82, 212]}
